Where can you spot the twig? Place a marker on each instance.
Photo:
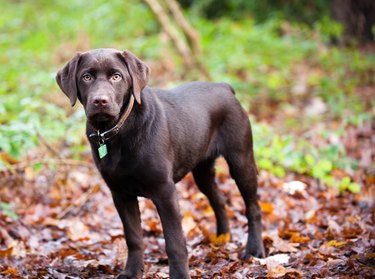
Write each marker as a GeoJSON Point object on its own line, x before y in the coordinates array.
{"type": "Point", "coordinates": [53, 151]}
{"type": "Point", "coordinates": [79, 202]}
{"type": "Point", "coordinates": [67, 162]}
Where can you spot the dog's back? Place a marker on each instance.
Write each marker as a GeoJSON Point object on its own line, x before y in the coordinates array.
{"type": "Point", "coordinates": [205, 120]}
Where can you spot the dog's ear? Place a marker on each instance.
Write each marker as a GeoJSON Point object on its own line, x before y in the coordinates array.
{"type": "Point", "coordinates": [66, 79]}
{"type": "Point", "coordinates": [138, 71]}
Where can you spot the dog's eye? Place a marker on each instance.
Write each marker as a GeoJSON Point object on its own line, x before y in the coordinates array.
{"type": "Point", "coordinates": [116, 77]}
{"type": "Point", "coordinates": [86, 77]}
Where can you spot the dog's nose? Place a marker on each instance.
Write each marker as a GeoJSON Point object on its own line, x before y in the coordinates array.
{"type": "Point", "coordinates": [100, 101]}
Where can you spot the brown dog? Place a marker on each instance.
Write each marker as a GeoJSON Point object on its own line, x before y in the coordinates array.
{"type": "Point", "coordinates": [144, 140]}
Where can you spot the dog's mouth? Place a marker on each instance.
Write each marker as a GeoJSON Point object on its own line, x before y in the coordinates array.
{"type": "Point", "coordinates": [101, 117]}
{"type": "Point", "coordinates": [100, 120]}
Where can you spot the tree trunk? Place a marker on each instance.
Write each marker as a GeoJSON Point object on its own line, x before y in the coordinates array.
{"type": "Point", "coordinates": [357, 16]}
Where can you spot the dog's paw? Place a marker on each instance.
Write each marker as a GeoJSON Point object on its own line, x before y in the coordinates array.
{"type": "Point", "coordinates": [257, 252]}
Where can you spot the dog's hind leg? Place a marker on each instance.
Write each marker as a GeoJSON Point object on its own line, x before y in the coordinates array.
{"type": "Point", "coordinates": [204, 176]}
{"type": "Point", "coordinates": [243, 170]}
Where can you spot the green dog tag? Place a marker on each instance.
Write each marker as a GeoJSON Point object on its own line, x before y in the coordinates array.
{"type": "Point", "coordinates": [102, 150]}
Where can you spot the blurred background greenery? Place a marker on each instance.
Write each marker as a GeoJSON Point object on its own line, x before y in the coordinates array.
{"type": "Point", "coordinates": [304, 78]}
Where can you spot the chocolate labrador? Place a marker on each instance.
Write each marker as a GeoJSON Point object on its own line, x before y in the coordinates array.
{"type": "Point", "coordinates": [144, 140]}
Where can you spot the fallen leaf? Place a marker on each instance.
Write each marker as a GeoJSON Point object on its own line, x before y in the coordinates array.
{"type": "Point", "coordinates": [297, 238]}
{"type": "Point", "coordinates": [266, 207]}
{"type": "Point", "coordinates": [294, 186]}
{"type": "Point", "coordinates": [334, 262]}
{"type": "Point", "coordinates": [316, 107]}
{"type": "Point", "coordinates": [13, 271]}
{"type": "Point", "coordinates": [274, 261]}
{"type": "Point", "coordinates": [280, 245]}
{"type": "Point", "coordinates": [188, 223]}
{"type": "Point", "coordinates": [6, 252]}
{"type": "Point", "coordinates": [219, 240]}
{"type": "Point", "coordinates": [335, 243]}
{"type": "Point", "coordinates": [278, 271]}
{"type": "Point", "coordinates": [334, 227]}
{"type": "Point", "coordinates": [77, 230]}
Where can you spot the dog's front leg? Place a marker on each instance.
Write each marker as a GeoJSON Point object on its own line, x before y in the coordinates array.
{"type": "Point", "coordinates": [175, 244]}
{"type": "Point", "coordinates": [128, 210]}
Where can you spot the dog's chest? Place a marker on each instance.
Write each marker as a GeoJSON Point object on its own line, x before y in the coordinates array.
{"type": "Point", "coordinates": [120, 180]}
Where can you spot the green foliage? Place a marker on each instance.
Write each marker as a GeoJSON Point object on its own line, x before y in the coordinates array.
{"type": "Point", "coordinates": [280, 154]}
{"type": "Point", "coordinates": [346, 184]}
{"type": "Point", "coordinates": [261, 54]}
{"type": "Point", "coordinates": [258, 59]}
{"type": "Point", "coordinates": [256, 52]}
{"type": "Point", "coordinates": [31, 32]}
{"type": "Point", "coordinates": [307, 11]}
{"type": "Point", "coordinates": [329, 28]}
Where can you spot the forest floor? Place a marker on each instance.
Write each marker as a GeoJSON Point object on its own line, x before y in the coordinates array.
{"type": "Point", "coordinates": [65, 226]}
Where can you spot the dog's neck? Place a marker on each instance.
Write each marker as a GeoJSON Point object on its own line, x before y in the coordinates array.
{"type": "Point", "coordinates": [105, 134]}
{"type": "Point", "coordinates": [140, 116]}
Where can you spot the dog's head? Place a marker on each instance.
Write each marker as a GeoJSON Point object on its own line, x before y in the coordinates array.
{"type": "Point", "coordinates": [103, 80]}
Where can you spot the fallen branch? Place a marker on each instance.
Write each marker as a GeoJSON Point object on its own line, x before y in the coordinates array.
{"type": "Point", "coordinates": [191, 35]}
{"type": "Point", "coordinates": [52, 150]}
{"type": "Point", "coordinates": [78, 203]}
{"type": "Point", "coordinates": [67, 162]}
{"type": "Point", "coordinates": [189, 53]}
{"type": "Point", "coordinates": [171, 31]}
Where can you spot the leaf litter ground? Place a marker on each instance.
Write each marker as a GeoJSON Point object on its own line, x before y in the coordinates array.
{"type": "Point", "coordinates": [67, 227]}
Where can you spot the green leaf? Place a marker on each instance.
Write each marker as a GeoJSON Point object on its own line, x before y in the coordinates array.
{"type": "Point", "coordinates": [329, 180]}
{"type": "Point", "coordinates": [325, 165]}
{"type": "Point", "coordinates": [345, 181]}
{"type": "Point", "coordinates": [265, 164]}
{"type": "Point", "coordinates": [37, 167]}
{"type": "Point", "coordinates": [7, 210]}
{"type": "Point", "coordinates": [279, 171]}
{"type": "Point", "coordinates": [354, 188]}
{"type": "Point", "coordinates": [309, 159]}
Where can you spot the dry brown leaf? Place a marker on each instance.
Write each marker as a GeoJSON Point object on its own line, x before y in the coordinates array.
{"type": "Point", "coordinates": [297, 238]}
{"type": "Point", "coordinates": [77, 230]}
{"type": "Point", "coordinates": [280, 245]}
{"type": "Point", "coordinates": [6, 252]}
